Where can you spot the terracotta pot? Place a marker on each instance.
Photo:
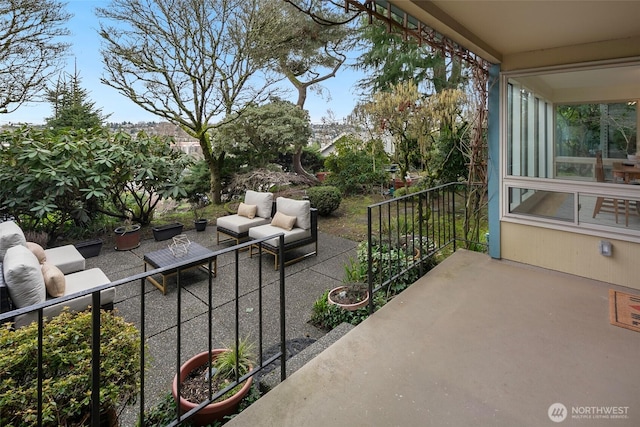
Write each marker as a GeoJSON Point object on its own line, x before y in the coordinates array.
{"type": "Point", "coordinates": [322, 176]}
{"type": "Point", "coordinates": [214, 411]}
{"type": "Point", "coordinates": [127, 237]}
{"type": "Point", "coordinates": [348, 307]}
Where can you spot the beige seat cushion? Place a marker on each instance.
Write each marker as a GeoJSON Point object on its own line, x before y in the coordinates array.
{"type": "Point", "coordinates": [67, 258]}
{"type": "Point", "coordinates": [10, 235]}
{"type": "Point", "coordinates": [23, 276]}
{"type": "Point", "coordinates": [75, 282]}
{"type": "Point", "coordinates": [263, 231]}
{"type": "Point", "coordinates": [263, 202]}
{"type": "Point", "coordinates": [54, 280]}
{"type": "Point", "coordinates": [240, 224]}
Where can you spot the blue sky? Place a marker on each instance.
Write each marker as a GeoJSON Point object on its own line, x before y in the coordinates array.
{"type": "Point", "coordinates": [85, 49]}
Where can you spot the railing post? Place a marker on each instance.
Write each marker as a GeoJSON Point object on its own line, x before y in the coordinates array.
{"type": "Point", "coordinates": [95, 360]}
{"type": "Point", "coordinates": [421, 195]}
{"type": "Point", "coordinates": [283, 332]}
{"type": "Point", "coordinates": [142, 352]}
{"type": "Point", "coordinates": [369, 260]}
{"type": "Point", "coordinates": [237, 311]}
{"type": "Point", "coordinates": [40, 370]}
{"type": "Point", "coordinates": [179, 337]}
{"type": "Point", "coordinates": [452, 190]}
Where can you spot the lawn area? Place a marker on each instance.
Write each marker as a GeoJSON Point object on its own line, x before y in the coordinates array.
{"type": "Point", "coordinates": [350, 219]}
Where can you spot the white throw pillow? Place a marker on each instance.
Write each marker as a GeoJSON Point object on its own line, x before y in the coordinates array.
{"type": "Point", "coordinates": [10, 235]}
{"type": "Point", "coordinates": [23, 276]}
{"type": "Point", "coordinates": [54, 280]}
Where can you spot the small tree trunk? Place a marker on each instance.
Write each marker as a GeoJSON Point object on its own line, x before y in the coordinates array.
{"type": "Point", "coordinates": [216, 178]}
{"type": "Point", "coordinates": [297, 166]}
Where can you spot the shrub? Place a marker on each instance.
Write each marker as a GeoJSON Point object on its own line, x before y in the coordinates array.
{"type": "Point", "coordinates": [354, 169]}
{"type": "Point", "coordinates": [52, 180]}
{"type": "Point", "coordinates": [324, 198]}
{"type": "Point", "coordinates": [197, 179]}
{"type": "Point", "coordinates": [396, 261]}
{"type": "Point", "coordinates": [403, 191]}
{"type": "Point", "coordinates": [66, 368]}
{"type": "Point", "coordinates": [328, 316]}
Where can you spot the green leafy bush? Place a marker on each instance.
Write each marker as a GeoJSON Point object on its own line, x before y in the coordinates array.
{"type": "Point", "coordinates": [324, 198]}
{"type": "Point", "coordinates": [357, 167]}
{"type": "Point", "coordinates": [403, 191]}
{"type": "Point", "coordinates": [328, 316]}
{"type": "Point", "coordinates": [391, 261]}
{"type": "Point", "coordinates": [66, 367]}
{"type": "Point", "coordinates": [54, 179]}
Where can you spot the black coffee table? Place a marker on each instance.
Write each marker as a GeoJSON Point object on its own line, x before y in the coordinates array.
{"type": "Point", "coordinates": [165, 257]}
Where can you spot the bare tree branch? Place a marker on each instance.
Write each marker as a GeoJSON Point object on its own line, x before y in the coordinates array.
{"type": "Point", "coordinates": [30, 49]}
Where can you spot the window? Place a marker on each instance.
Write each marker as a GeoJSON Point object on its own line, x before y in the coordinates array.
{"type": "Point", "coordinates": [552, 136]}
{"type": "Point", "coordinates": [584, 129]}
{"type": "Point", "coordinates": [542, 203]}
{"type": "Point", "coordinates": [530, 151]}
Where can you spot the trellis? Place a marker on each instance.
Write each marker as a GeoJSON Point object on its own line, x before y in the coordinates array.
{"type": "Point", "coordinates": [476, 152]}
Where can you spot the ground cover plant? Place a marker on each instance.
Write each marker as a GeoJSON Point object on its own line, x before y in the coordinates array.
{"type": "Point", "coordinates": [164, 412]}
{"type": "Point", "coordinates": [67, 369]}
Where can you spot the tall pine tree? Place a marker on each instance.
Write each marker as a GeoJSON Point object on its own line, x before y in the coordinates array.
{"type": "Point", "coordinates": [72, 107]}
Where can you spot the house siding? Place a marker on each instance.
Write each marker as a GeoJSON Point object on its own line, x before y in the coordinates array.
{"type": "Point", "coordinates": [571, 253]}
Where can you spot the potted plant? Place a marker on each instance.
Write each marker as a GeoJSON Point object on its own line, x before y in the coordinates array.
{"type": "Point", "coordinates": [127, 236]}
{"type": "Point", "coordinates": [354, 294]}
{"type": "Point", "coordinates": [196, 373]}
{"type": "Point", "coordinates": [198, 203]}
{"type": "Point", "coordinates": [350, 296]}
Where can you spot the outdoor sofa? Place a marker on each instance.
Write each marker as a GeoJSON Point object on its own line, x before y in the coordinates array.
{"type": "Point", "coordinates": [257, 209]}
{"type": "Point", "coordinates": [31, 275]}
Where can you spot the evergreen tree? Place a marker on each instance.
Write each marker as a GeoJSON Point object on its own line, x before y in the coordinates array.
{"type": "Point", "coordinates": [309, 53]}
{"type": "Point", "coordinates": [389, 58]}
{"type": "Point", "coordinates": [72, 107]}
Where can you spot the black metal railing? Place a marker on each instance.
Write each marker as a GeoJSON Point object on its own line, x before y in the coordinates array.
{"type": "Point", "coordinates": [181, 281]}
{"type": "Point", "coordinates": [405, 234]}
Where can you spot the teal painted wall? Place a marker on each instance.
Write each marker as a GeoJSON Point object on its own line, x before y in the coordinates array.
{"type": "Point", "coordinates": [493, 162]}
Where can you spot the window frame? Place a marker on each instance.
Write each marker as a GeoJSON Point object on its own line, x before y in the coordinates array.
{"type": "Point", "coordinates": [576, 187]}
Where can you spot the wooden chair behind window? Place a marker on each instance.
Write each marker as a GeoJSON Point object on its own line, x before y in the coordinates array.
{"type": "Point", "coordinates": [605, 204]}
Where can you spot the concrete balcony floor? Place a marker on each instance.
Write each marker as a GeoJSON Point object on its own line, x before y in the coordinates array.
{"type": "Point", "coordinates": [475, 342]}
